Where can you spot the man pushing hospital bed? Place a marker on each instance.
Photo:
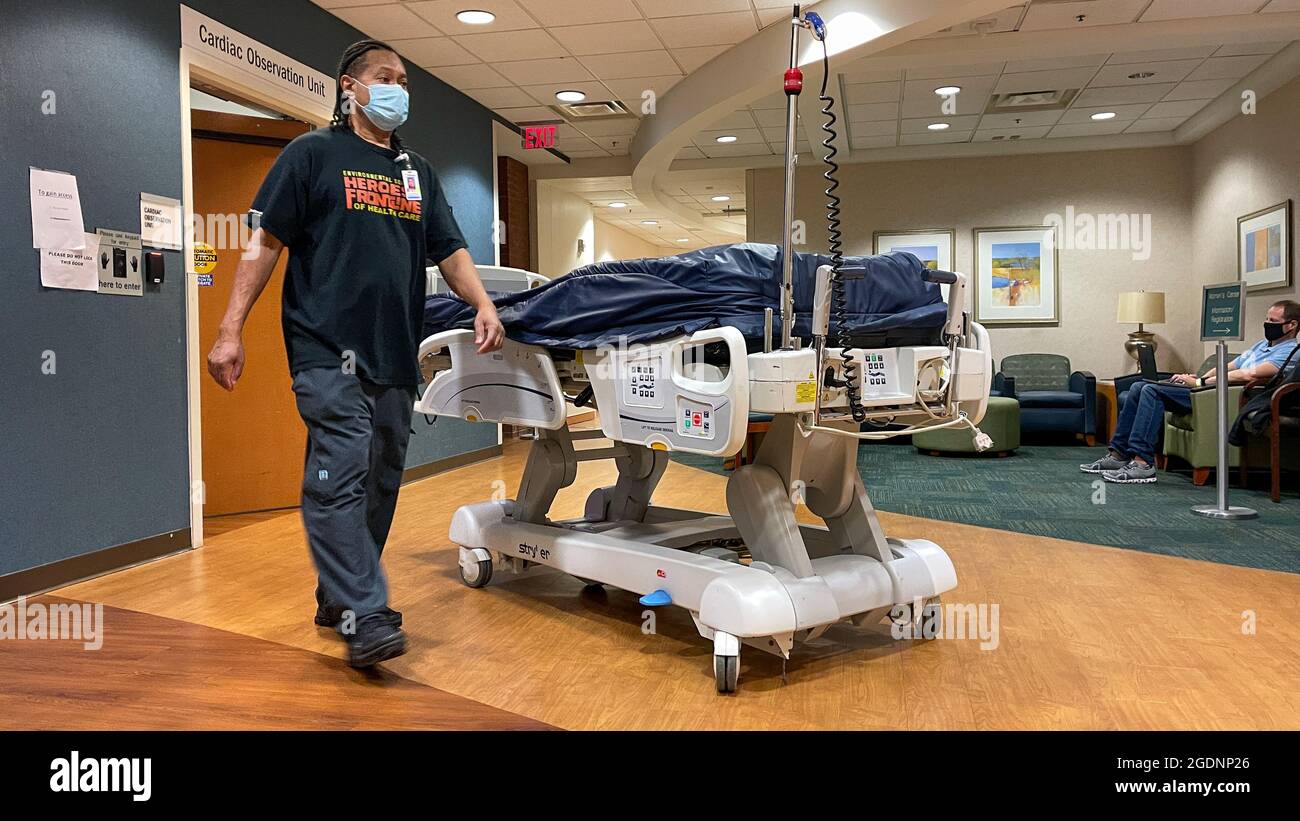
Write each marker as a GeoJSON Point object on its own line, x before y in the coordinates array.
{"type": "Point", "coordinates": [674, 355]}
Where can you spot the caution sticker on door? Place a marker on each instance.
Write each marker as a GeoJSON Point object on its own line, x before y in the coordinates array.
{"type": "Point", "coordinates": [205, 258]}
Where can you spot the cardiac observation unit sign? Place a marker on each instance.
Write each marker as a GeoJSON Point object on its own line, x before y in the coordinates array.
{"type": "Point", "coordinates": [208, 36]}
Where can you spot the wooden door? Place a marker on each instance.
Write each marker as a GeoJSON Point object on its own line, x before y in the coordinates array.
{"type": "Point", "coordinates": [253, 438]}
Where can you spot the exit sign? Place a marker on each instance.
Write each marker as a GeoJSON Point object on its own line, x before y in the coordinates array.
{"type": "Point", "coordinates": [540, 136]}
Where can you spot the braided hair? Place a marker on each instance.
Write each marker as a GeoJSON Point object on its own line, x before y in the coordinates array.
{"type": "Point", "coordinates": [355, 56]}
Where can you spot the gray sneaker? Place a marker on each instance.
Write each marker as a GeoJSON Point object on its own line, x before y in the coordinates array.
{"type": "Point", "coordinates": [1131, 474]}
{"type": "Point", "coordinates": [1105, 463]}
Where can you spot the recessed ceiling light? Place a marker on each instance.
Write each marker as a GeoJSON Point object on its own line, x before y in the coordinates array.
{"type": "Point", "coordinates": [570, 96]}
{"type": "Point", "coordinates": [684, 239]}
{"type": "Point", "coordinates": [618, 205]}
{"type": "Point", "coordinates": [475, 17]}
{"type": "Point", "coordinates": [721, 198]}
{"type": "Point", "coordinates": [1141, 75]}
{"type": "Point", "coordinates": [728, 138]}
{"type": "Point", "coordinates": [649, 222]}
{"type": "Point", "coordinates": [937, 126]}
{"type": "Point", "coordinates": [1104, 115]}
{"type": "Point", "coordinates": [947, 91]}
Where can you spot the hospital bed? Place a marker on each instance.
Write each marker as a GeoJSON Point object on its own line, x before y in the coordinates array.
{"type": "Point", "coordinates": [754, 576]}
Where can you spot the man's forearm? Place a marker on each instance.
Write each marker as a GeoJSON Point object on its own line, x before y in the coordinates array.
{"type": "Point", "coordinates": [463, 279]}
{"type": "Point", "coordinates": [1236, 376]}
{"type": "Point", "coordinates": [251, 276]}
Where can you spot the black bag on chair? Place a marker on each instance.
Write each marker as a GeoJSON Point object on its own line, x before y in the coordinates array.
{"type": "Point", "coordinates": [1257, 413]}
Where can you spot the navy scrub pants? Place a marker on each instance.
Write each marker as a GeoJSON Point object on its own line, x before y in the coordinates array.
{"type": "Point", "coordinates": [357, 434]}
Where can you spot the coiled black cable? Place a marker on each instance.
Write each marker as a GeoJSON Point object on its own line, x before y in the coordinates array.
{"type": "Point", "coordinates": [839, 298]}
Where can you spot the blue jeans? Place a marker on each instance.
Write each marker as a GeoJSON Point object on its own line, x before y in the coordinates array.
{"type": "Point", "coordinates": [1140, 419]}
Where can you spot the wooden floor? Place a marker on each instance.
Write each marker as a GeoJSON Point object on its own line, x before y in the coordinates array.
{"type": "Point", "coordinates": [164, 674]}
{"type": "Point", "coordinates": [217, 525]}
{"type": "Point", "coordinates": [1090, 637]}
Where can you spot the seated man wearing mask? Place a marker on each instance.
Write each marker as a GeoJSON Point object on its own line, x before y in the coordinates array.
{"type": "Point", "coordinates": [361, 217]}
{"type": "Point", "coordinates": [1131, 455]}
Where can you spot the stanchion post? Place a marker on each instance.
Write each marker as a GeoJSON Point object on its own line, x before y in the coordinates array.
{"type": "Point", "coordinates": [1222, 510]}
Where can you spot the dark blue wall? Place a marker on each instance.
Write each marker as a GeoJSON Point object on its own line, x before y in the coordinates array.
{"type": "Point", "coordinates": [95, 455]}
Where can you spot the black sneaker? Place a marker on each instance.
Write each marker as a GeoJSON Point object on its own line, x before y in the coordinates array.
{"type": "Point", "coordinates": [328, 615]}
{"type": "Point", "coordinates": [331, 615]}
{"type": "Point", "coordinates": [376, 640]}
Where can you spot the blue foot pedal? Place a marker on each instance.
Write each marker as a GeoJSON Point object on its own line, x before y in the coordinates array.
{"type": "Point", "coordinates": [656, 598]}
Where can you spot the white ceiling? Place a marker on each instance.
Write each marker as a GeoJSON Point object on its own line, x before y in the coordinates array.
{"type": "Point", "coordinates": [887, 109]}
{"type": "Point", "coordinates": [620, 49]}
{"type": "Point", "coordinates": [609, 49]}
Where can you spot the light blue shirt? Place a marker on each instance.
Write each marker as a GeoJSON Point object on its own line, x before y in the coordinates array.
{"type": "Point", "coordinates": [1260, 353]}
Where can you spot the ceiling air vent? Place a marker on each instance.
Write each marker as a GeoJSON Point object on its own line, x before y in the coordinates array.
{"type": "Point", "coordinates": [1031, 101]}
{"type": "Point", "coordinates": [592, 110]}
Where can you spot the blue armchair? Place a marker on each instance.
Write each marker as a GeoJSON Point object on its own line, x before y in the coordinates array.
{"type": "Point", "coordinates": [1052, 397]}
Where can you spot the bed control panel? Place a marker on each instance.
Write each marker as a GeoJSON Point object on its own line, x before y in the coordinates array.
{"type": "Point", "coordinates": [671, 396]}
{"type": "Point", "coordinates": [879, 370]}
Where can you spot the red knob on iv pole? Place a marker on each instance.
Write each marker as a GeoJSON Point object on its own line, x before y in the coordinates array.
{"type": "Point", "coordinates": [793, 81]}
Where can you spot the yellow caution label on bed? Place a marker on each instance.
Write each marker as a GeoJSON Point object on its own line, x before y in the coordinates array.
{"type": "Point", "coordinates": [805, 392]}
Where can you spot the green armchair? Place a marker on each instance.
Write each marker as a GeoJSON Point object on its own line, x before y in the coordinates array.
{"type": "Point", "coordinates": [1193, 437]}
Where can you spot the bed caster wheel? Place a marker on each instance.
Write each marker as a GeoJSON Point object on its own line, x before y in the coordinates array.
{"type": "Point", "coordinates": [726, 673]}
{"type": "Point", "coordinates": [921, 623]}
{"type": "Point", "coordinates": [726, 662]}
{"type": "Point", "coordinates": [590, 583]}
{"type": "Point", "coordinates": [931, 621]}
{"type": "Point", "coordinates": [475, 571]}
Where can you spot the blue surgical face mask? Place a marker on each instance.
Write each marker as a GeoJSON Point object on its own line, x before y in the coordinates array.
{"type": "Point", "coordinates": [389, 105]}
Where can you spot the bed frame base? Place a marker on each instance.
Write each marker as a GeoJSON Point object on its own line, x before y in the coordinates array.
{"type": "Point", "coordinates": [800, 578]}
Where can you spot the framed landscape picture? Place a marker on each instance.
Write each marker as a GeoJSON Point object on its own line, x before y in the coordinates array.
{"type": "Point", "coordinates": [1016, 276]}
{"type": "Point", "coordinates": [934, 247]}
{"type": "Point", "coordinates": [1264, 248]}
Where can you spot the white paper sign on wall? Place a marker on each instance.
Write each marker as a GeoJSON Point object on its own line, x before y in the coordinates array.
{"type": "Point", "coordinates": [72, 269]}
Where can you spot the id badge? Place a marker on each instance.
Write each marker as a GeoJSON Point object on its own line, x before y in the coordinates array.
{"type": "Point", "coordinates": [411, 182]}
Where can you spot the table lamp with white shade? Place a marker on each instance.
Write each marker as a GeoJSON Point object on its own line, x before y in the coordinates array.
{"type": "Point", "coordinates": [1143, 308]}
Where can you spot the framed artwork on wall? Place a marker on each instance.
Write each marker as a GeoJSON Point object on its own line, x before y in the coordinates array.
{"type": "Point", "coordinates": [934, 247]}
{"type": "Point", "coordinates": [1264, 248]}
{"type": "Point", "coordinates": [1016, 276]}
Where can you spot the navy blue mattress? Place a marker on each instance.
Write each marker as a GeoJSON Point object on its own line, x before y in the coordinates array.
{"type": "Point", "coordinates": [644, 299]}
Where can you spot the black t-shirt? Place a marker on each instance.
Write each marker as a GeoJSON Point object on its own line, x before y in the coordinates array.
{"type": "Point", "coordinates": [358, 248]}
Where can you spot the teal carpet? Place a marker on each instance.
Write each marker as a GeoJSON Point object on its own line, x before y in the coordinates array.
{"type": "Point", "coordinates": [1040, 491]}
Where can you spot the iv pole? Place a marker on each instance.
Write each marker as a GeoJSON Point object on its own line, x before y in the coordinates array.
{"type": "Point", "coordinates": [793, 87]}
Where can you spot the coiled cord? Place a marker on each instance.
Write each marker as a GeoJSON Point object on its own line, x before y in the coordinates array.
{"type": "Point", "coordinates": [839, 297]}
